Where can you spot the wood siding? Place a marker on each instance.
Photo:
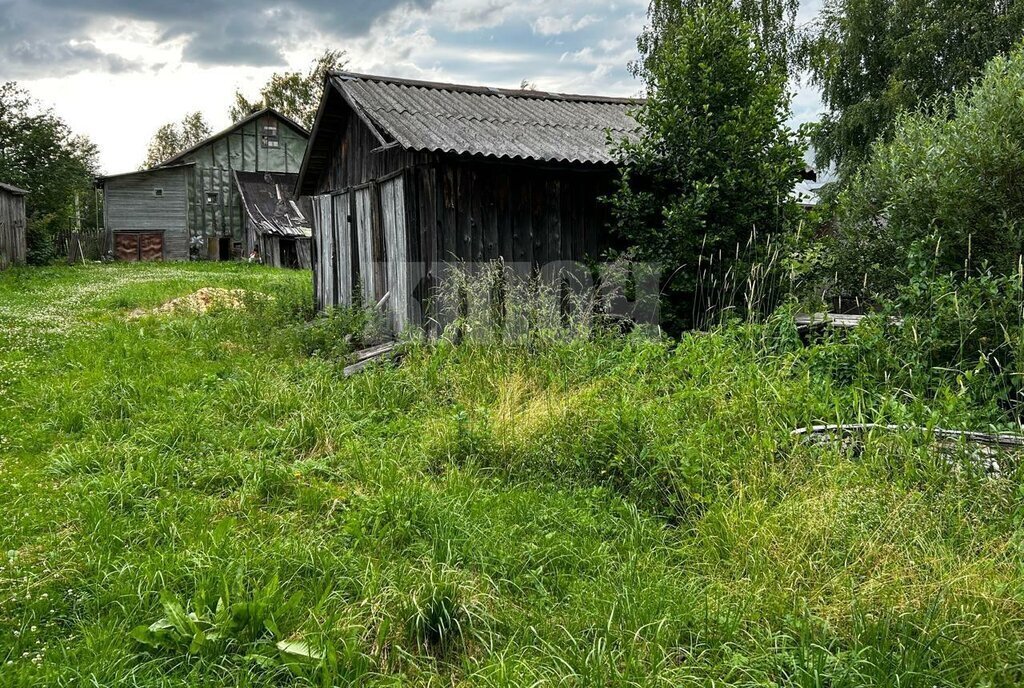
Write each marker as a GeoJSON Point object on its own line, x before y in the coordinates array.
{"type": "Point", "coordinates": [131, 205]}
{"type": "Point", "coordinates": [358, 158]}
{"type": "Point", "coordinates": [396, 253]}
{"type": "Point", "coordinates": [344, 281]}
{"type": "Point", "coordinates": [12, 229]}
{"type": "Point", "coordinates": [414, 213]}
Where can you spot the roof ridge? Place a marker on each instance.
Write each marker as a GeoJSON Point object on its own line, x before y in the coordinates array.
{"type": "Point", "coordinates": [490, 91]}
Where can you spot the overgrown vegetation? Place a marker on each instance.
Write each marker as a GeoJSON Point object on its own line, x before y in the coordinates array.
{"type": "Point", "coordinates": [40, 153]}
{"type": "Point", "coordinates": [875, 60]}
{"type": "Point", "coordinates": [942, 198]}
{"type": "Point", "coordinates": [206, 500]}
{"type": "Point", "coordinates": [715, 161]}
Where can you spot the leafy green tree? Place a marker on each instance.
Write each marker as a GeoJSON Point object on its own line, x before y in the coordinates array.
{"type": "Point", "coordinates": [773, 23]}
{"type": "Point", "coordinates": [873, 59]}
{"type": "Point", "coordinates": [39, 152]}
{"type": "Point", "coordinates": [173, 138]}
{"type": "Point", "coordinates": [715, 160]}
{"type": "Point", "coordinates": [943, 196]}
{"type": "Point", "coordinates": [293, 94]}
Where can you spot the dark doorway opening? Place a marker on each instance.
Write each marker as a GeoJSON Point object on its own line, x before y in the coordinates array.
{"type": "Point", "coordinates": [289, 254]}
{"type": "Point", "coordinates": [224, 249]}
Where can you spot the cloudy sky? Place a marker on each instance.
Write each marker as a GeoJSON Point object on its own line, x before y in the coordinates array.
{"type": "Point", "coordinates": [115, 70]}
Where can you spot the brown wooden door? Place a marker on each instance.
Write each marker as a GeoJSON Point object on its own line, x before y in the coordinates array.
{"type": "Point", "coordinates": [126, 246]}
{"type": "Point", "coordinates": [151, 246]}
{"type": "Point", "coordinates": [135, 246]}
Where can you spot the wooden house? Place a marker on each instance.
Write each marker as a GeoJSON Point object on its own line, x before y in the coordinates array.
{"type": "Point", "coordinates": [189, 206]}
{"type": "Point", "coordinates": [277, 227]}
{"type": "Point", "coordinates": [12, 226]}
{"type": "Point", "coordinates": [411, 176]}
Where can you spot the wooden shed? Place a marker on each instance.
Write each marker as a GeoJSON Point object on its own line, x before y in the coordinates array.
{"type": "Point", "coordinates": [277, 227]}
{"type": "Point", "coordinates": [13, 247]}
{"type": "Point", "coordinates": [189, 206]}
{"type": "Point", "coordinates": [408, 176]}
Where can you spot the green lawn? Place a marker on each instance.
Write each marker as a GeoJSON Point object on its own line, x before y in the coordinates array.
{"type": "Point", "coordinates": [608, 512]}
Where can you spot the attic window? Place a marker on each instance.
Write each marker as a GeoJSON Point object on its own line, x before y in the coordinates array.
{"type": "Point", "coordinates": [211, 198]}
{"type": "Point", "coordinates": [269, 135]}
{"type": "Point", "coordinates": [159, 193]}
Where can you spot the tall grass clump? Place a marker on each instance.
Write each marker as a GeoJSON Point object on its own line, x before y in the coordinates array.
{"type": "Point", "coordinates": [499, 303]}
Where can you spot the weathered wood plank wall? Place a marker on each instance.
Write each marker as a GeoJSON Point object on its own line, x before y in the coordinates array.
{"type": "Point", "coordinates": [396, 255]}
{"type": "Point", "coordinates": [341, 229]}
{"type": "Point", "coordinates": [131, 204]}
{"type": "Point", "coordinates": [13, 248]}
{"type": "Point", "coordinates": [427, 210]}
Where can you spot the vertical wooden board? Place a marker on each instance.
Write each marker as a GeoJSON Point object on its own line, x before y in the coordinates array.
{"type": "Point", "coordinates": [353, 242]}
{"type": "Point", "coordinates": [392, 206]}
{"type": "Point", "coordinates": [322, 234]}
{"type": "Point", "coordinates": [553, 220]}
{"type": "Point", "coordinates": [343, 242]}
{"type": "Point", "coordinates": [330, 253]}
{"type": "Point", "coordinates": [364, 232]}
{"type": "Point", "coordinates": [448, 226]}
{"type": "Point", "coordinates": [387, 223]}
{"type": "Point", "coordinates": [565, 220]}
{"type": "Point", "coordinates": [379, 248]}
{"type": "Point", "coordinates": [235, 148]}
{"type": "Point", "coordinates": [538, 218]}
{"type": "Point", "coordinates": [315, 248]}
{"type": "Point", "coordinates": [464, 230]}
{"type": "Point", "coordinates": [577, 210]}
{"type": "Point", "coordinates": [476, 209]}
{"type": "Point", "coordinates": [503, 216]}
{"type": "Point", "coordinates": [200, 194]}
{"type": "Point", "coordinates": [522, 216]}
{"type": "Point", "coordinates": [597, 218]}
{"type": "Point", "coordinates": [414, 227]}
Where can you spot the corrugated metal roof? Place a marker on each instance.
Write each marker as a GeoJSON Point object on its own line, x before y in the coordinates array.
{"type": "Point", "coordinates": [500, 123]}
{"type": "Point", "coordinates": [10, 188]}
{"type": "Point", "coordinates": [267, 200]}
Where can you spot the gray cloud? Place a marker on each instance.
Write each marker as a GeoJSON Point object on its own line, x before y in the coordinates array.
{"type": "Point", "coordinates": [40, 36]}
{"type": "Point", "coordinates": [38, 55]}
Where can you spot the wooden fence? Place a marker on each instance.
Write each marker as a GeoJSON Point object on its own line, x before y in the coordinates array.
{"type": "Point", "coordinates": [80, 247]}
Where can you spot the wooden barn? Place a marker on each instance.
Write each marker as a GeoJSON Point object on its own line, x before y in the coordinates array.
{"type": "Point", "coordinates": [409, 176]}
{"type": "Point", "coordinates": [189, 206]}
{"type": "Point", "coordinates": [277, 226]}
{"type": "Point", "coordinates": [12, 225]}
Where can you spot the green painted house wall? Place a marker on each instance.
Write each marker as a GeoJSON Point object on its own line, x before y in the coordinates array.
{"type": "Point", "coordinates": [215, 209]}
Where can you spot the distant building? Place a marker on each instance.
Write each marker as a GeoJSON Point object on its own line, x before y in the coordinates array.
{"type": "Point", "coordinates": [410, 176]}
{"type": "Point", "coordinates": [13, 248]}
{"type": "Point", "coordinates": [190, 206]}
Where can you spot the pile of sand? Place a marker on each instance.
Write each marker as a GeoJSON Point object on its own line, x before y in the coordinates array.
{"type": "Point", "coordinates": [202, 301]}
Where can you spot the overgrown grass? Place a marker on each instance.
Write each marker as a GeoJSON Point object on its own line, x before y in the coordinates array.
{"type": "Point", "coordinates": [594, 511]}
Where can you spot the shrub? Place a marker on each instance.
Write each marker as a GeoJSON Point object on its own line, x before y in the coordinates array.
{"type": "Point", "coordinates": [943, 197]}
